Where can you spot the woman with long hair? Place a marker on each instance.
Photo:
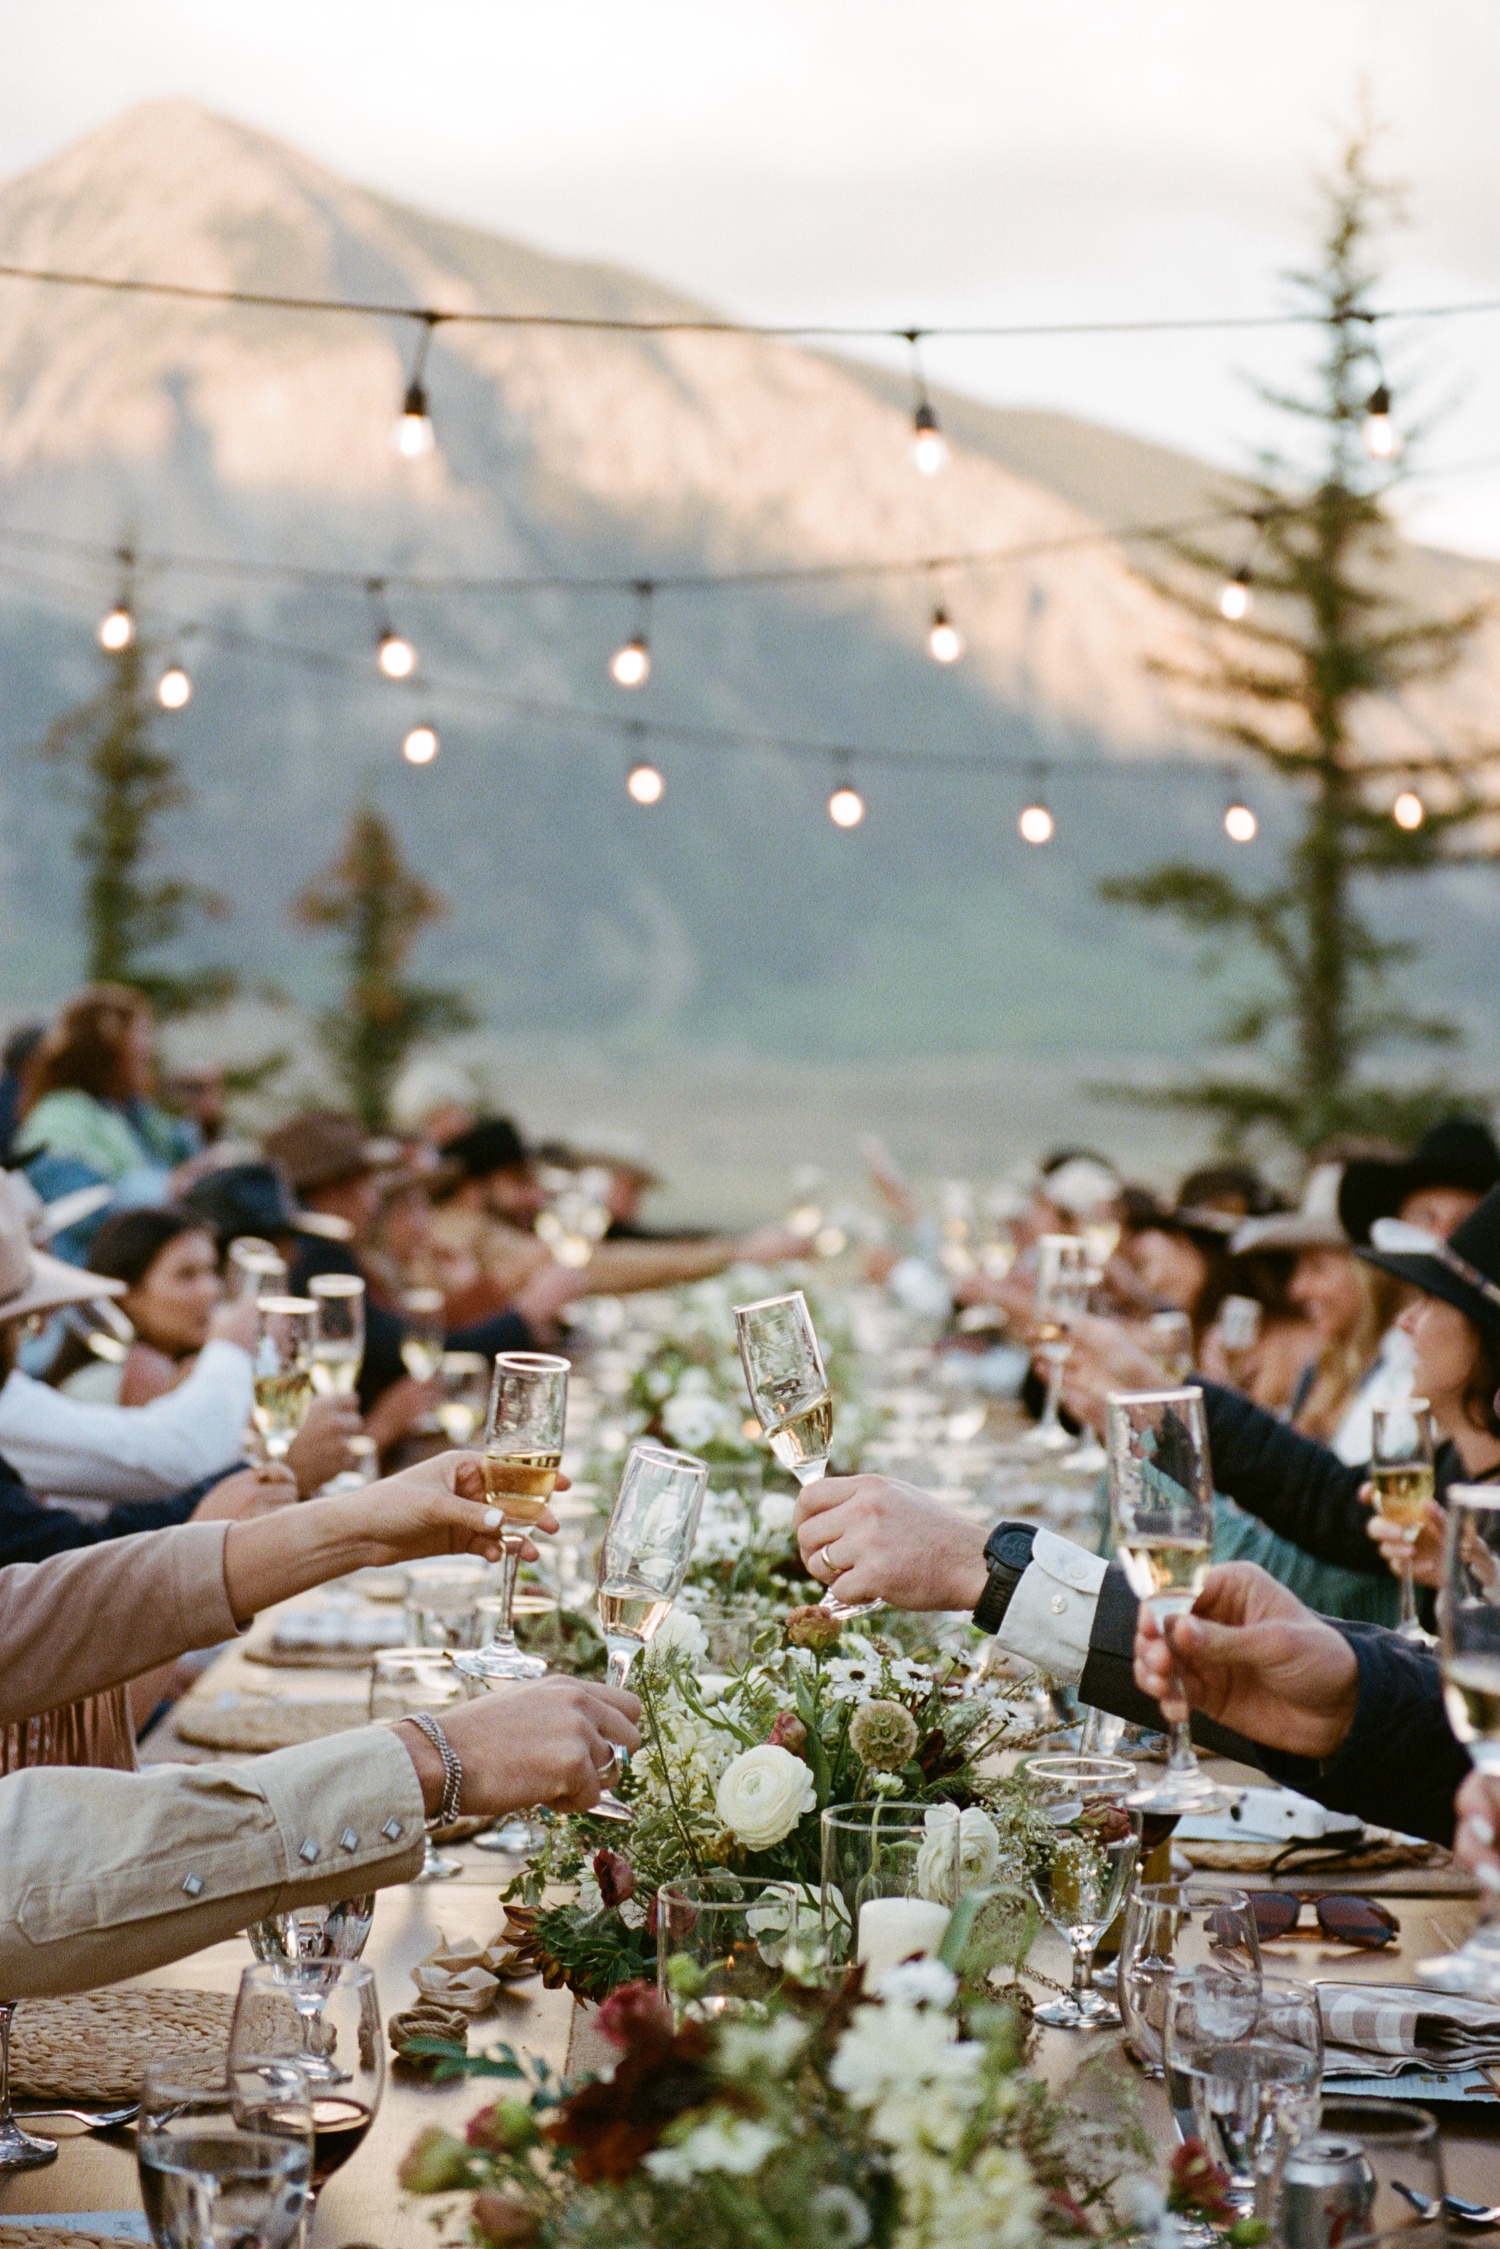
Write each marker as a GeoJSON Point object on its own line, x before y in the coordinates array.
{"type": "Point", "coordinates": [168, 1261]}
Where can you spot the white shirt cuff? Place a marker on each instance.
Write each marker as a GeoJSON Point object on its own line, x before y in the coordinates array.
{"type": "Point", "coordinates": [1051, 1613]}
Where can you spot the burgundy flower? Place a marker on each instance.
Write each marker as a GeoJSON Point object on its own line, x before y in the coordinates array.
{"type": "Point", "coordinates": [615, 1876]}
{"type": "Point", "coordinates": [610, 2124]}
{"type": "Point", "coordinates": [788, 1733]}
{"type": "Point", "coordinates": [1198, 2184]}
{"type": "Point", "coordinates": [504, 2220]}
{"type": "Point", "coordinates": [635, 2015]}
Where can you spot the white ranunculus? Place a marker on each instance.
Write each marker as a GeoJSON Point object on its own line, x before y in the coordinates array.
{"type": "Point", "coordinates": [679, 1633]}
{"type": "Point", "coordinates": [776, 1512]}
{"type": "Point", "coordinates": [978, 1852]}
{"type": "Point", "coordinates": [763, 1794]}
{"type": "Point", "coordinates": [719, 2143]}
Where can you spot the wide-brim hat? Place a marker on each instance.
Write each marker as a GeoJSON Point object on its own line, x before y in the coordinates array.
{"type": "Point", "coordinates": [1314, 1224]}
{"type": "Point", "coordinates": [1458, 1152]}
{"type": "Point", "coordinates": [30, 1280]}
{"type": "Point", "coordinates": [326, 1147]}
{"type": "Point", "coordinates": [493, 1145]}
{"type": "Point", "coordinates": [1463, 1271]}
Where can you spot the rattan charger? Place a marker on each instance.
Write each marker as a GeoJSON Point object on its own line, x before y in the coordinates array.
{"type": "Point", "coordinates": [94, 2046]}
{"type": "Point", "coordinates": [261, 1722]}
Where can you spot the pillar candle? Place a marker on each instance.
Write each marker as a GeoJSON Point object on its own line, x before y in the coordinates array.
{"type": "Point", "coordinates": [892, 1929]}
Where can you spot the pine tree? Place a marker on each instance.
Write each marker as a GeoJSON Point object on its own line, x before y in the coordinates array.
{"type": "Point", "coordinates": [1327, 632]}
{"type": "Point", "coordinates": [125, 784]}
{"type": "Point", "coordinates": [380, 908]}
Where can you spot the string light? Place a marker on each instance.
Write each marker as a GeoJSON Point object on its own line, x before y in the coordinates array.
{"type": "Point", "coordinates": [174, 690]}
{"type": "Point", "coordinates": [396, 657]}
{"type": "Point", "coordinates": [846, 807]}
{"type": "Point", "coordinates": [1036, 824]}
{"type": "Point", "coordinates": [1240, 823]}
{"type": "Point", "coordinates": [1409, 811]}
{"type": "Point", "coordinates": [630, 665]}
{"type": "Point", "coordinates": [929, 446]}
{"type": "Point", "coordinates": [644, 784]}
{"type": "Point", "coordinates": [1382, 440]}
{"type": "Point", "coordinates": [414, 434]}
{"type": "Point", "coordinates": [117, 630]}
{"type": "Point", "coordinates": [1236, 597]}
{"type": "Point", "coordinates": [945, 643]}
{"type": "Point", "coordinates": [421, 745]}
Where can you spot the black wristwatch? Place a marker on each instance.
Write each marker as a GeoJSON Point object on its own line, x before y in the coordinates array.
{"type": "Point", "coordinates": [1007, 1551]}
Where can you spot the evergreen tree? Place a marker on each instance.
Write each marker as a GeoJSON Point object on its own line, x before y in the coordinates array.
{"type": "Point", "coordinates": [1328, 630]}
{"type": "Point", "coordinates": [380, 908]}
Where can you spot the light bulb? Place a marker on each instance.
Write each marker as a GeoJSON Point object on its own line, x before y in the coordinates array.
{"type": "Point", "coordinates": [644, 785]}
{"type": "Point", "coordinates": [117, 630]}
{"type": "Point", "coordinates": [413, 432]}
{"type": "Point", "coordinates": [929, 446]}
{"type": "Point", "coordinates": [1036, 824]}
{"type": "Point", "coordinates": [174, 688]}
{"type": "Point", "coordinates": [1408, 811]}
{"type": "Point", "coordinates": [396, 657]}
{"type": "Point", "coordinates": [1382, 440]}
{"type": "Point", "coordinates": [1234, 601]}
{"type": "Point", "coordinates": [1240, 823]}
{"type": "Point", "coordinates": [945, 643]}
{"type": "Point", "coordinates": [420, 746]}
{"type": "Point", "coordinates": [846, 807]}
{"type": "Point", "coordinates": [630, 665]}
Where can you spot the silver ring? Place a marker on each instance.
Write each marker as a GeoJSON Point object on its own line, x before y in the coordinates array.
{"type": "Point", "coordinates": [611, 1766]}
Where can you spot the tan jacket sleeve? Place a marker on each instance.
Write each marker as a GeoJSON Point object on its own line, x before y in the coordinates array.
{"type": "Point", "coordinates": [107, 1874]}
{"type": "Point", "coordinates": [89, 1619]}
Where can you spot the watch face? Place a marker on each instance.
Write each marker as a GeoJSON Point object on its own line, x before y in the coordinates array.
{"type": "Point", "coordinates": [1013, 1548]}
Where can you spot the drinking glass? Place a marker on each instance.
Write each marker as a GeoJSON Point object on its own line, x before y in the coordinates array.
{"type": "Point", "coordinates": [788, 1388]}
{"type": "Point", "coordinates": [226, 2164]}
{"type": "Point", "coordinates": [1080, 1873]}
{"type": "Point", "coordinates": [1248, 2064]}
{"type": "Point", "coordinates": [404, 1681]}
{"type": "Point", "coordinates": [423, 1333]}
{"type": "Point", "coordinates": [1239, 1324]}
{"type": "Point", "coordinates": [1402, 2158]}
{"type": "Point", "coordinates": [523, 1440]}
{"type": "Point", "coordinates": [1062, 1291]}
{"type": "Point", "coordinates": [643, 1559]}
{"type": "Point", "coordinates": [891, 1878]}
{"type": "Point", "coordinates": [465, 1376]}
{"type": "Point", "coordinates": [1171, 1927]}
{"type": "Point", "coordinates": [315, 1932]}
{"type": "Point", "coordinates": [721, 1941]}
{"type": "Point", "coordinates": [1402, 1447]}
{"type": "Point", "coordinates": [1171, 1344]}
{"type": "Point", "coordinates": [285, 1335]}
{"type": "Point", "coordinates": [324, 2017]}
{"type": "Point", "coordinates": [1161, 1499]}
{"type": "Point", "coordinates": [339, 1347]}
{"type": "Point", "coordinates": [19, 2151]}
{"type": "Point", "coordinates": [1469, 1646]}
{"type": "Point", "coordinates": [442, 1607]}
{"type": "Point", "coordinates": [253, 1268]}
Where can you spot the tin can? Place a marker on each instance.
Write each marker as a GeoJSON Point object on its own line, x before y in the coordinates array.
{"type": "Point", "coordinates": [1327, 2192]}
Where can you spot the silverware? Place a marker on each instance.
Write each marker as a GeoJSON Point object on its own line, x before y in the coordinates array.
{"type": "Point", "coordinates": [93, 2119]}
{"type": "Point", "coordinates": [1454, 2205]}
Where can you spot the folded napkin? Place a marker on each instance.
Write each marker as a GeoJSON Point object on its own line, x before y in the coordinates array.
{"type": "Point", "coordinates": [1376, 2029]}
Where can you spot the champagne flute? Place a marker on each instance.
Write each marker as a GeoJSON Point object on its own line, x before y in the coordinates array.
{"type": "Point", "coordinates": [1062, 1288]}
{"type": "Point", "coordinates": [1239, 1325]}
{"type": "Point", "coordinates": [404, 1681]}
{"type": "Point", "coordinates": [523, 1441]}
{"type": "Point", "coordinates": [1171, 1344]}
{"type": "Point", "coordinates": [1402, 1449]}
{"type": "Point", "coordinates": [286, 1332]}
{"type": "Point", "coordinates": [339, 1346]}
{"type": "Point", "coordinates": [225, 2163]}
{"type": "Point", "coordinates": [788, 1388]}
{"type": "Point", "coordinates": [324, 2017]}
{"type": "Point", "coordinates": [253, 1268]}
{"type": "Point", "coordinates": [424, 1335]}
{"type": "Point", "coordinates": [1469, 1646]}
{"type": "Point", "coordinates": [643, 1559]}
{"type": "Point", "coordinates": [1161, 1498]}
{"type": "Point", "coordinates": [1080, 1872]}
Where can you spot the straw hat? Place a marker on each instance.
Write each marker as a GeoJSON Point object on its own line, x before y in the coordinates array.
{"type": "Point", "coordinates": [30, 1280]}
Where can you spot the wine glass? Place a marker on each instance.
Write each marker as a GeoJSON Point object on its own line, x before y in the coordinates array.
{"type": "Point", "coordinates": [423, 1332]}
{"type": "Point", "coordinates": [1062, 1290]}
{"type": "Point", "coordinates": [643, 1559]}
{"type": "Point", "coordinates": [1170, 1927]}
{"type": "Point", "coordinates": [1161, 1499]}
{"type": "Point", "coordinates": [1469, 1646]}
{"type": "Point", "coordinates": [788, 1388]}
{"type": "Point", "coordinates": [1171, 1344]}
{"type": "Point", "coordinates": [1079, 1873]}
{"type": "Point", "coordinates": [231, 2162]}
{"type": "Point", "coordinates": [1248, 2064]}
{"type": "Point", "coordinates": [404, 1681]}
{"type": "Point", "coordinates": [19, 2151]}
{"type": "Point", "coordinates": [325, 2017]}
{"type": "Point", "coordinates": [1239, 1325]}
{"type": "Point", "coordinates": [339, 1347]}
{"type": "Point", "coordinates": [285, 1336]}
{"type": "Point", "coordinates": [253, 1268]}
{"type": "Point", "coordinates": [1402, 1449]}
{"type": "Point", "coordinates": [315, 1932]}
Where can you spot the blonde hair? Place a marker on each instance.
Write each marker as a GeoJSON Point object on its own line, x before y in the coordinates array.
{"type": "Point", "coordinates": [1345, 1360]}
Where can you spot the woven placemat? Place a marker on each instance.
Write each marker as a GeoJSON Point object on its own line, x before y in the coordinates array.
{"type": "Point", "coordinates": [62, 2237]}
{"type": "Point", "coordinates": [279, 1658]}
{"type": "Point", "coordinates": [263, 1723]}
{"type": "Point", "coordinates": [93, 2047]}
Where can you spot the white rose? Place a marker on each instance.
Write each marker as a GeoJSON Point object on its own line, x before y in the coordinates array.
{"type": "Point", "coordinates": [978, 1852]}
{"type": "Point", "coordinates": [763, 1794]}
{"type": "Point", "coordinates": [679, 1633]}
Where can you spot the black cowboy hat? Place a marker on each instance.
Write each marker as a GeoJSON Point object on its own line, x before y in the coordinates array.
{"type": "Point", "coordinates": [1458, 1152]}
{"type": "Point", "coordinates": [494, 1145]}
{"type": "Point", "coordinates": [1464, 1271]}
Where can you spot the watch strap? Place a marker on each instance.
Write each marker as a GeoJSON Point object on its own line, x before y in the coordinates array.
{"type": "Point", "coordinates": [1007, 1550]}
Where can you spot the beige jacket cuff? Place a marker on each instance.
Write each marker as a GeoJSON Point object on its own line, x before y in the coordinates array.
{"type": "Point", "coordinates": [106, 1874]}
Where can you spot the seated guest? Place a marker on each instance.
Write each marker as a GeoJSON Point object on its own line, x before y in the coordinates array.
{"type": "Point", "coordinates": [105, 1874]}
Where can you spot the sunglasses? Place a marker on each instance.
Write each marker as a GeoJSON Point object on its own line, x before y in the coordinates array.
{"type": "Point", "coordinates": [1362, 1922]}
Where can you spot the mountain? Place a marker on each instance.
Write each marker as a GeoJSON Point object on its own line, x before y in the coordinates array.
{"type": "Point", "coordinates": [734, 913]}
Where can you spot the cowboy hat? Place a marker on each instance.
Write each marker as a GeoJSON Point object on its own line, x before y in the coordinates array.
{"type": "Point", "coordinates": [1313, 1225]}
{"type": "Point", "coordinates": [1464, 1270]}
{"type": "Point", "coordinates": [30, 1280]}
{"type": "Point", "coordinates": [1458, 1152]}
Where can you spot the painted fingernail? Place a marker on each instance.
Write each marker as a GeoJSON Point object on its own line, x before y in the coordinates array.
{"type": "Point", "coordinates": [493, 1518]}
{"type": "Point", "coordinates": [1480, 1828]}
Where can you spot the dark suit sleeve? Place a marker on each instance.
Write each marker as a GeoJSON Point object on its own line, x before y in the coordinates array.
{"type": "Point", "coordinates": [1292, 1484]}
{"type": "Point", "coordinates": [29, 1532]}
{"type": "Point", "coordinates": [1108, 1680]}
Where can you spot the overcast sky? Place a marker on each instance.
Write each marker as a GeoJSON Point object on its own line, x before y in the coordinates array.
{"type": "Point", "coordinates": [910, 163]}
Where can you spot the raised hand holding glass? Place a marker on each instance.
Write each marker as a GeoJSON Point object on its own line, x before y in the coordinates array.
{"type": "Point", "coordinates": [788, 1388]}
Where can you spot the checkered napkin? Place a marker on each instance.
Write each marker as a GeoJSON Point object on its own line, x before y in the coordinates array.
{"type": "Point", "coordinates": [1374, 2030]}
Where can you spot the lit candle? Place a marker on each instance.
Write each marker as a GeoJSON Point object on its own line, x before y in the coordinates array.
{"type": "Point", "coordinates": [892, 1929]}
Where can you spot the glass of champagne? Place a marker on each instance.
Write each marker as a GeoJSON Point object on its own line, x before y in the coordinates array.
{"type": "Point", "coordinates": [339, 1347]}
{"type": "Point", "coordinates": [1062, 1291]}
{"type": "Point", "coordinates": [324, 2017]}
{"type": "Point", "coordinates": [643, 1559]}
{"type": "Point", "coordinates": [788, 1388]}
{"type": "Point", "coordinates": [1161, 1499]}
{"type": "Point", "coordinates": [1239, 1325]}
{"type": "Point", "coordinates": [1249, 2064]}
{"type": "Point", "coordinates": [253, 1268]}
{"type": "Point", "coordinates": [1402, 1449]}
{"type": "Point", "coordinates": [285, 1336]}
{"type": "Point", "coordinates": [424, 1335]}
{"type": "Point", "coordinates": [1171, 1927]}
{"type": "Point", "coordinates": [523, 1441]}
{"type": "Point", "coordinates": [402, 1682]}
{"type": "Point", "coordinates": [1171, 1344]}
{"type": "Point", "coordinates": [1080, 1872]}
{"type": "Point", "coordinates": [465, 1376]}
{"type": "Point", "coordinates": [1469, 1647]}
{"type": "Point", "coordinates": [225, 2163]}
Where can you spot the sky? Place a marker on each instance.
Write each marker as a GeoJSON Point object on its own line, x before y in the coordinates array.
{"type": "Point", "coordinates": [906, 165]}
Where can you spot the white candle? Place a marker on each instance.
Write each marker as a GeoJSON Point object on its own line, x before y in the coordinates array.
{"type": "Point", "coordinates": [892, 1929]}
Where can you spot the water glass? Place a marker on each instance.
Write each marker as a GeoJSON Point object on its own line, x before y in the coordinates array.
{"type": "Point", "coordinates": [315, 1932]}
{"type": "Point", "coordinates": [1247, 2064]}
{"type": "Point", "coordinates": [721, 1941]}
{"type": "Point", "coordinates": [441, 1609]}
{"type": "Point", "coordinates": [227, 2164]}
{"type": "Point", "coordinates": [1171, 1927]}
{"type": "Point", "coordinates": [892, 1874]}
{"type": "Point", "coordinates": [404, 1681]}
{"type": "Point", "coordinates": [1080, 1873]}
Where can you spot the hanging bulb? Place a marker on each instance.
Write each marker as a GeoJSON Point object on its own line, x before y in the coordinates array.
{"type": "Point", "coordinates": [644, 784]}
{"type": "Point", "coordinates": [1409, 811]}
{"type": "Point", "coordinates": [630, 665]}
{"type": "Point", "coordinates": [1036, 824]}
{"type": "Point", "coordinates": [1240, 823]}
{"type": "Point", "coordinates": [1382, 440]}
{"type": "Point", "coordinates": [1236, 597]}
{"type": "Point", "coordinates": [174, 689]}
{"type": "Point", "coordinates": [117, 630]}
{"type": "Point", "coordinates": [945, 643]}
{"type": "Point", "coordinates": [846, 807]}
{"type": "Point", "coordinates": [929, 446]}
{"type": "Point", "coordinates": [414, 433]}
{"type": "Point", "coordinates": [396, 657]}
{"type": "Point", "coordinates": [420, 746]}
